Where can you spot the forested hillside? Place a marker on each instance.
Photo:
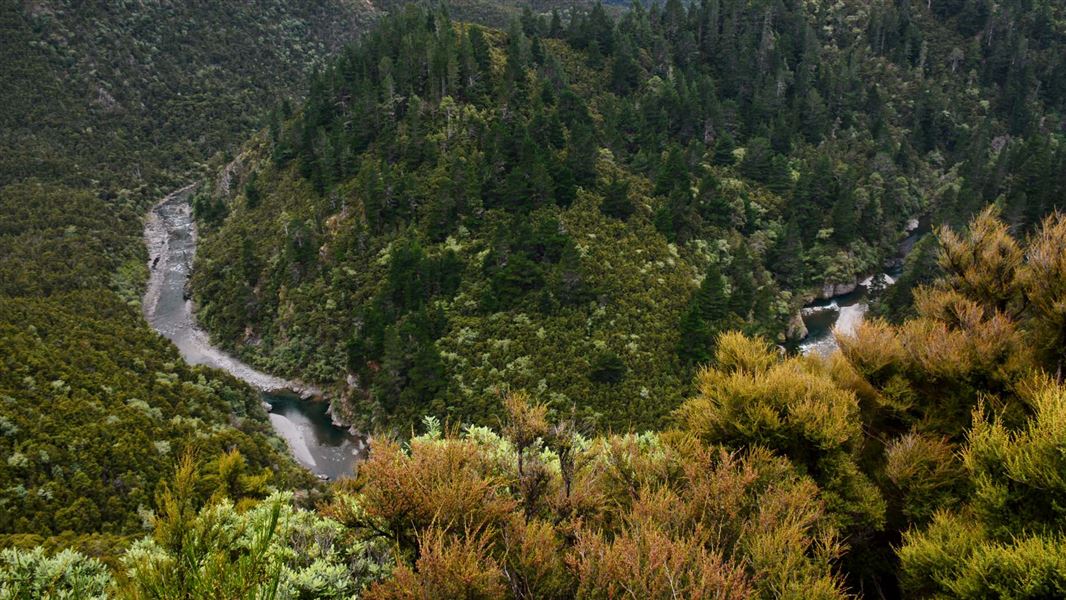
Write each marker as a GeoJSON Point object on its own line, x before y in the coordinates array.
{"type": "Point", "coordinates": [544, 255]}
{"type": "Point", "coordinates": [924, 460]}
{"type": "Point", "coordinates": [118, 96]}
{"type": "Point", "coordinates": [576, 206]}
{"type": "Point", "coordinates": [107, 106]}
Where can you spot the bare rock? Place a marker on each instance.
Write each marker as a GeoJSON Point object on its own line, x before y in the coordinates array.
{"type": "Point", "coordinates": [831, 290]}
{"type": "Point", "coordinates": [797, 329]}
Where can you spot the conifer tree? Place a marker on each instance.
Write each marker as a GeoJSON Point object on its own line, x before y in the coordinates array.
{"type": "Point", "coordinates": [704, 318]}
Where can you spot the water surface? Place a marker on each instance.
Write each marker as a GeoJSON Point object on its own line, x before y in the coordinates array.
{"type": "Point", "coordinates": [841, 315]}
{"type": "Point", "coordinates": [305, 425]}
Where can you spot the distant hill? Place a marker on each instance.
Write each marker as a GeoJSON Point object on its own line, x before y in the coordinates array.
{"type": "Point", "coordinates": [129, 96]}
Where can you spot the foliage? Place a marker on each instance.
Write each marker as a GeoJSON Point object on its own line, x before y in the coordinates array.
{"type": "Point", "coordinates": [970, 376]}
{"type": "Point", "coordinates": [793, 406]}
{"type": "Point", "coordinates": [491, 150]}
{"type": "Point", "coordinates": [979, 330]}
{"type": "Point", "coordinates": [94, 407]}
{"type": "Point", "coordinates": [269, 550]}
{"type": "Point", "coordinates": [125, 101]}
{"type": "Point", "coordinates": [650, 515]}
{"type": "Point", "coordinates": [578, 208]}
{"type": "Point", "coordinates": [1007, 540]}
{"type": "Point", "coordinates": [55, 239]}
{"type": "Point", "coordinates": [107, 107]}
{"type": "Point", "coordinates": [33, 575]}
{"type": "Point", "coordinates": [496, 161]}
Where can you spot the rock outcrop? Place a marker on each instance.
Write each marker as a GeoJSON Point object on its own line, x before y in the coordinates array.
{"type": "Point", "coordinates": [797, 329]}
{"type": "Point", "coordinates": [831, 290]}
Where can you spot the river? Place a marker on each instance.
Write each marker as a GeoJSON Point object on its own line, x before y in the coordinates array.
{"type": "Point", "coordinates": [841, 315]}
{"type": "Point", "coordinates": [305, 425]}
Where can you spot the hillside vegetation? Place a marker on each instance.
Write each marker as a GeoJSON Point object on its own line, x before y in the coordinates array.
{"type": "Point", "coordinates": [924, 460]}
{"type": "Point", "coordinates": [126, 97]}
{"type": "Point", "coordinates": [546, 268]}
{"type": "Point", "coordinates": [107, 106]}
{"type": "Point", "coordinates": [575, 207]}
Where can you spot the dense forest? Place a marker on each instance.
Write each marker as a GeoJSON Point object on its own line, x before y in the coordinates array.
{"type": "Point", "coordinates": [576, 207]}
{"type": "Point", "coordinates": [548, 256]}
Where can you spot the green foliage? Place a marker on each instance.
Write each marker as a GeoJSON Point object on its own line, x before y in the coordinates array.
{"type": "Point", "coordinates": [106, 109]}
{"type": "Point", "coordinates": [34, 575]}
{"type": "Point", "coordinates": [1007, 540]}
{"type": "Point", "coordinates": [920, 268]}
{"type": "Point", "coordinates": [93, 409]}
{"type": "Point", "coordinates": [455, 211]}
{"type": "Point", "coordinates": [969, 377]}
{"type": "Point", "coordinates": [980, 330]}
{"type": "Point", "coordinates": [488, 147]}
{"type": "Point", "coordinates": [705, 314]}
{"type": "Point", "coordinates": [927, 473]}
{"type": "Point", "coordinates": [752, 397]}
{"type": "Point", "coordinates": [127, 101]}
{"type": "Point", "coordinates": [55, 239]}
{"type": "Point", "coordinates": [269, 550]}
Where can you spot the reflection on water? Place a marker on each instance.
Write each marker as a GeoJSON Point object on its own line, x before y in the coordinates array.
{"type": "Point", "coordinates": [315, 441]}
{"type": "Point", "coordinates": [322, 447]}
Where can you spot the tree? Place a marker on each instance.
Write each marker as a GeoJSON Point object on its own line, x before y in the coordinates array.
{"type": "Point", "coordinates": [677, 218]}
{"type": "Point", "coordinates": [251, 191]}
{"type": "Point", "coordinates": [616, 203]}
{"type": "Point", "coordinates": [1009, 535]}
{"type": "Point", "coordinates": [714, 206]}
{"type": "Point", "coordinates": [607, 368]}
{"type": "Point", "coordinates": [758, 159]}
{"type": "Point", "coordinates": [743, 287]}
{"type": "Point", "coordinates": [723, 149]}
{"type": "Point", "coordinates": [625, 70]}
{"type": "Point", "coordinates": [752, 396]}
{"type": "Point", "coordinates": [983, 264]}
{"type": "Point", "coordinates": [703, 318]}
{"type": "Point", "coordinates": [785, 259]}
{"type": "Point", "coordinates": [1043, 279]}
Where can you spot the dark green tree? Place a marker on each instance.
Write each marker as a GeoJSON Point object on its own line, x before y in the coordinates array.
{"type": "Point", "coordinates": [703, 319]}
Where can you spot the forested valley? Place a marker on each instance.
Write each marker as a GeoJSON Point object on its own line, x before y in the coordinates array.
{"type": "Point", "coordinates": [107, 107]}
{"type": "Point", "coordinates": [552, 259]}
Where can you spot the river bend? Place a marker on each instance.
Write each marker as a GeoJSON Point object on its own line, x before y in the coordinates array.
{"type": "Point", "coordinates": [170, 234]}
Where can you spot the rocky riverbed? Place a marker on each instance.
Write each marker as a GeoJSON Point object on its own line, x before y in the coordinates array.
{"type": "Point", "coordinates": [304, 423]}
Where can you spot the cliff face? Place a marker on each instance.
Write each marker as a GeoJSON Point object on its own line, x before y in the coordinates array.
{"type": "Point", "coordinates": [797, 329]}
{"type": "Point", "coordinates": [831, 290]}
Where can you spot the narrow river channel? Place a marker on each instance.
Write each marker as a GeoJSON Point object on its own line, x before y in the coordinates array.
{"type": "Point", "coordinates": [840, 315]}
{"type": "Point", "coordinates": [170, 233]}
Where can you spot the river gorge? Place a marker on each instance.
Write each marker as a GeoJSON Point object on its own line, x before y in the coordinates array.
{"type": "Point", "coordinates": [296, 412]}
{"type": "Point", "coordinates": [841, 313]}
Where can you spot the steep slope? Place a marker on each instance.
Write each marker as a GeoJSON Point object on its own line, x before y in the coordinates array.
{"type": "Point", "coordinates": [106, 107]}
{"type": "Point", "coordinates": [125, 95]}
{"type": "Point", "coordinates": [577, 208]}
